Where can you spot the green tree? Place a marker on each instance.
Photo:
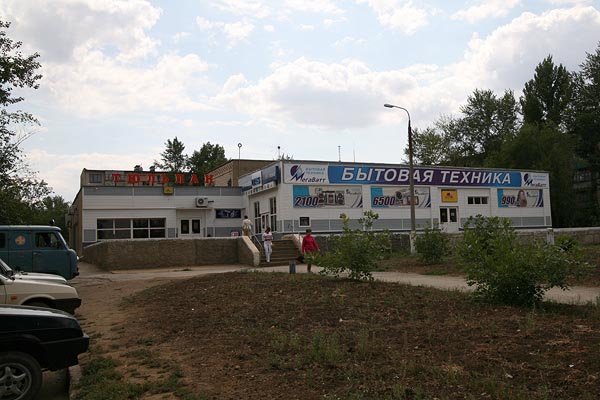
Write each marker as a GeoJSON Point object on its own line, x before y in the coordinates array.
{"type": "Point", "coordinates": [585, 126]}
{"type": "Point", "coordinates": [20, 190]}
{"type": "Point", "coordinates": [355, 251]}
{"type": "Point", "coordinates": [547, 96]}
{"type": "Point", "coordinates": [52, 210]}
{"type": "Point", "coordinates": [475, 138]}
{"type": "Point", "coordinates": [546, 148]}
{"type": "Point", "coordinates": [430, 146]}
{"type": "Point", "coordinates": [208, 158]}
{"type": "Point", "coordinates": [172, 159]}
{"type": "Point", "coordinates": [506, 270]}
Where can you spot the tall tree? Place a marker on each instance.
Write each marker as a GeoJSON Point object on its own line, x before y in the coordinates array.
{"type": "Point", "coordinates": [208, 158]}
{"type": "Point", "coordinates": [486, 122]}
{"type": "Point", "coordinates": [172, 159]}
{"type": "Point", "coordinates": [585, 125]}
{"type": "Point", "coordinates": [547, 96]}
{"type": "Point", "coordinates": [430, 147]}
{"type": "Point", "coordinates": [20, 189]}
{"type": "Point", "coordinates": [544, 147]}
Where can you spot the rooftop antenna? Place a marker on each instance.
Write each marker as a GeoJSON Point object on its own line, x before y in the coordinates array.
{"type": "Point", "coordinates": [339, 154]}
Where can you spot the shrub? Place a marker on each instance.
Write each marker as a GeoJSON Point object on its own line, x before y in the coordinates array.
{"type": "Point", "coordinates": [505, 270]}
{"type": "Point", "coordinates": [431, 245]}
{"type": "Point", "coordinates": [355, 250]}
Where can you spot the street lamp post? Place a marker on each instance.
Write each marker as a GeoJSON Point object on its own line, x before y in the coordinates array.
{"type": "Point", "coordinates": [411, 180]}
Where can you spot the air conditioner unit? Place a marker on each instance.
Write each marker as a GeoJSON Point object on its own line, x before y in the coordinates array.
{"type": "Point", "coordinates": [201, 201]}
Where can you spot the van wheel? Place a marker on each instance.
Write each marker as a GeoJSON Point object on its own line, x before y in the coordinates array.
{"type": "Point", "coordinates": [20, 376]}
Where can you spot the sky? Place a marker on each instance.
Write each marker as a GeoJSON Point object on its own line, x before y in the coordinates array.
{"type": "Point", "coordinates": [303, 78]}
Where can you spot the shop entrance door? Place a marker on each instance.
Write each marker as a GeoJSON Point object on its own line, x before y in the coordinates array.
{"type": "Point", "coordinates": [191, 227]}
{"type": "Point", "coordinates": [449, 219]}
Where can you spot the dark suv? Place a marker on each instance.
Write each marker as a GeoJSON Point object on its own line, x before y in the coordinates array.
{"type": "Point", "coordinates": [33, 339]}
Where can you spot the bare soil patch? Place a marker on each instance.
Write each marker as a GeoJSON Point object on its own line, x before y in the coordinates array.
{"type": "Point", "coordinates": [271, 336]}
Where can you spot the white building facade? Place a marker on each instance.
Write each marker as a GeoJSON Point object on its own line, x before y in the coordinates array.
{"type": "Point", "coordinates": [291, 196]}
{"type": "Point", "coordinates": [312, 194]}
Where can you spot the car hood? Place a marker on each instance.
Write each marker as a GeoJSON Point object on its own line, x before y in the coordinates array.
{"type": "Point", "coordinates": [23, 318]}
{"type": "Point", "coordinates": [38, 276]}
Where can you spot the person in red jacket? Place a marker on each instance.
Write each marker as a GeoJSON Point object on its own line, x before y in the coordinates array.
{"type": "Point", "coordinates": [309, 245]}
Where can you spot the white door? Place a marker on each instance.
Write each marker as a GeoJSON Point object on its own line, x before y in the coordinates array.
{"type": "Point", "coordinates": [449, 219]}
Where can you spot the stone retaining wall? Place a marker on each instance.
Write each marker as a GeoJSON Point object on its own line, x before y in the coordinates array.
{"type": "Point", "coordinates": [157, 253]}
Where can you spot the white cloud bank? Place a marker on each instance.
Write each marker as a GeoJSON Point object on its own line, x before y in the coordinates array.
{"type": "Point", "coordinates": [350, 94]}
{"type": "Point", "coordinates": [486, 9]}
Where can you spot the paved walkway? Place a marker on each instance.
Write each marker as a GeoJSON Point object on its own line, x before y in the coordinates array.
{"type": "Point", "coordinates": [575, 295]}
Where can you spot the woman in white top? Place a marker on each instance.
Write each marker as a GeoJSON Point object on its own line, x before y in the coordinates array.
{"type": "Point", "coordinates": [267, 239]}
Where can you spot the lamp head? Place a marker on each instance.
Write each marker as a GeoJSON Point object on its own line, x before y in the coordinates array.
{"type": "Point", "coordinates": [388, 105]}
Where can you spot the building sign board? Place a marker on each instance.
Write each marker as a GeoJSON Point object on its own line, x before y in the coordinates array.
{"type": "Point", "coordinates": [327, 196]}
{"type": "Point", "coordinates": [520, 198]}
{"type": "Point", "coordinates": [396, 197]}
{"type": "Point", "coordinates": [390, 175]}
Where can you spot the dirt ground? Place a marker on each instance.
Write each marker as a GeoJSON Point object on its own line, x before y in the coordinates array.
{"type": "Point", "coordinates": [271, 336]}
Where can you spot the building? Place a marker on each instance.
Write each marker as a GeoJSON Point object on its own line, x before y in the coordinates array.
{"type": "Point", "coordinates": [290, 196]}
{"type": "Point", "coordinates": [229, 173]}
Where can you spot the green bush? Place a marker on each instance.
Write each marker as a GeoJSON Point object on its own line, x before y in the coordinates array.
{"type": "Point", "coordinates": [503, 269]}
{"type": "Point", "coordinates": [431, 245]}
{"type": "Point", "coordinates": [355, 251]}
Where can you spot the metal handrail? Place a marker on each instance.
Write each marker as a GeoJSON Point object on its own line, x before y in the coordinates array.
{"type": "Point", "coordinates": [260, 246]}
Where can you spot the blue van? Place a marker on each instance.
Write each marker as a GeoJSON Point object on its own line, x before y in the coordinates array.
{"type": "Point", "coordinates": [33, 248]}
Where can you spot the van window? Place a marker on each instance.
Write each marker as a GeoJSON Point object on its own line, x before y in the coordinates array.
{"type": "Point", "coordinates": [46, 240]}
{"type": "Point", "coordinates": [2, 241]}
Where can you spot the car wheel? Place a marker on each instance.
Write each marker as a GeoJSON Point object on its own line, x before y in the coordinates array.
{"type": "Point", "coordinates": [20, 376]}
{"type": "Point", "coordinates": [37, 304]}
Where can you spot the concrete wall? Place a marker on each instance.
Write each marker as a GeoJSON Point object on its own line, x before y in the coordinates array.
{"type": "Point", "coordinates": [156, 253]}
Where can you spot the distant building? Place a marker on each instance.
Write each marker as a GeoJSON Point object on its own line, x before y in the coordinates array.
{"type": "Point", "coordinates": [229, 173]}
{"type": "Point", "coordinates": [586, 188]}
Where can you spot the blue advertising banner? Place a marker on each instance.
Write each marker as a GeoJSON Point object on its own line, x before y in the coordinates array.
{"type": "Point", "coordinates": [520, 198]}
{"type": "Point", "coordinates": [396, 197]}
{"type": "Point", "coordinates": [327, 196]}
{"type": "Point", "coordinates": [423, 176]}
{"type": "Point", "coordinates": [324, 174]}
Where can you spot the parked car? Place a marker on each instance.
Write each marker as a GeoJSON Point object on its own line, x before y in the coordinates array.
{"type": "Point", "coordinates": [40, 293]}
{"type": "Point", "coordinates": [37, 248]}
{"type": "Point", "coordinates": [9, 272]}
{"type": "Point", "coordinates": [31, 340]}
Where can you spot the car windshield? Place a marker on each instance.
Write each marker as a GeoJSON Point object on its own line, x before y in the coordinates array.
{"type": "Point", "coordinates": [5, 269]}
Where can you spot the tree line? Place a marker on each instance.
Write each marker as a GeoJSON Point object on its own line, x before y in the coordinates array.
{"type": "Point", "coordinates": [554, 126]}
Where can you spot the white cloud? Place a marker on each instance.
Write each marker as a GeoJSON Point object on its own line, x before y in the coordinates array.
{"type": "Point", "coordinates": [97, 85]}
{"type": "Point", "coordinates": [351, 94]}
{"type": "Point", "coordinates": [399, 15]}
{"type": "Point", "coordinates": [307, 28]}
{"type": "Point", "coordinates": [179, 36]}
{"type": "Point", "coordinates": [486, 9]}
{"type": "Point", "coordinates": [235, 32]}
{"type": "Point", "coordinates": [269, 28]}
{"type": "Point", "coordinates": [58, 29]}
{"type": "Point", "coordinates": [253, 8]}
{"type": "Point", "coordinates": [348, 40]}
{"type": "Point", "coordinates": [313, 6]}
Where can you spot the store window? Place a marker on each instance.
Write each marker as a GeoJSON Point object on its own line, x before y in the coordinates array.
{"type": "Point", "coordinates": [95, 178]}
{"type": "Point", "coordinates": [477, 200]}
{"type": "Point", "coordinates": [185, 226]}
{"type": "Point", "coordinates": [136, 228]}
{"type": "Point", "coordinates": [304, 221]}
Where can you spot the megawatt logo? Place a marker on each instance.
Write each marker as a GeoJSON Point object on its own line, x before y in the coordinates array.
{"type": "Point", "coordinates": [528, 179]}
{"type": "Point", "coordinates": [297, 172]}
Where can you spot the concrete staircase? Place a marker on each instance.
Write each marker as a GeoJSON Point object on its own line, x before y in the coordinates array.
{"type": "Point", "coordinates": [283, 252]}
